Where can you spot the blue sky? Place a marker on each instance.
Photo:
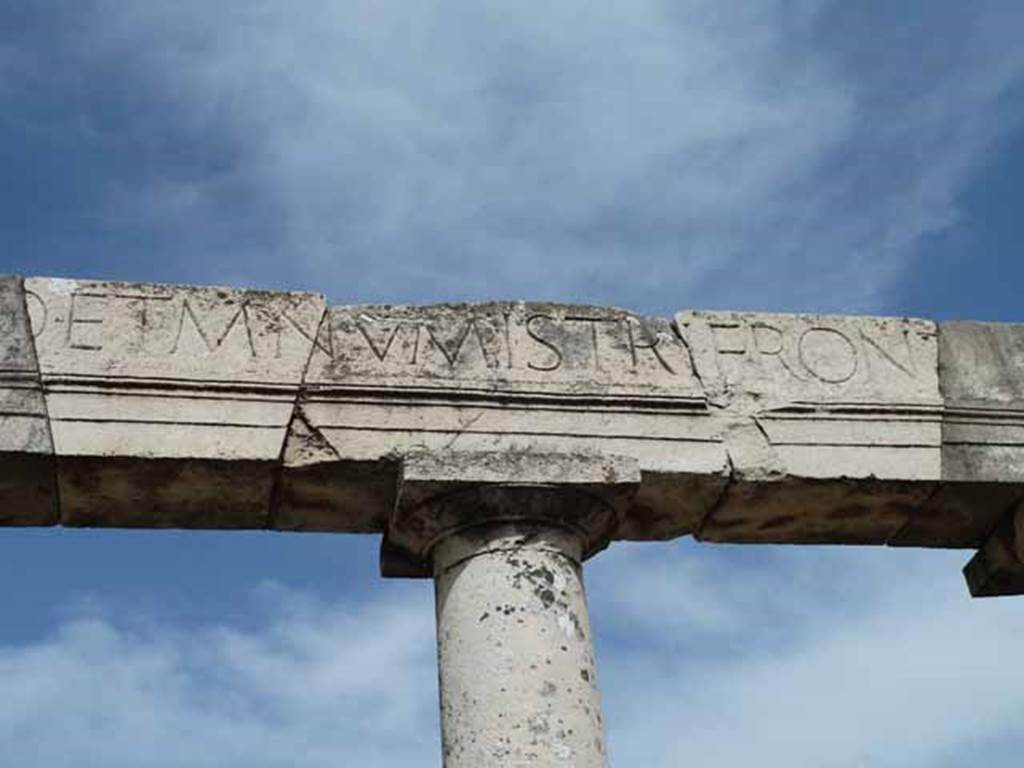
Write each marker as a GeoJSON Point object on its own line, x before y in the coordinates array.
{"type": "Point", "coordinates": [800, 156]}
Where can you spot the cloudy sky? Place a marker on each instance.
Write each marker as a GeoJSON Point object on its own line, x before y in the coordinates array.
{"type": "Point", "coordinates": [800, 155]}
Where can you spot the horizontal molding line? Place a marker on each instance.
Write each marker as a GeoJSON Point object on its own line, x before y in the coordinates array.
{"type": "Point", "coordinates": [517, 406]}
{"type": "Point", "coordinates": [1010, 423]}
{"type": "Point", "coordinates": [213, 397]}
{"type": "Point", "coordinates": [864, 418]}
{"type": "Point", "coordinates": [983, 444]}
{"type": "Point", "coordinates": [846, 408]}
{"type": "Point", "coordinates": [101, 385]}
{"type": "Point", "coordinates": [317, 393]}
{"type": "Point", "coordinates": [936, 446]}
{"type": "Point", "coordinates": [119, 381]}
{"type": "Point", "coordinates": [166, 422]}
{"type": "Point", "coordinates": [485, 384]}
{"type": "Point", "coordinates": [518, 432]}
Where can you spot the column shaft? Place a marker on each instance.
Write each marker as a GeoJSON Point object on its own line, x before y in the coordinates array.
{"type": "Point", "coordinates": [516, 661]}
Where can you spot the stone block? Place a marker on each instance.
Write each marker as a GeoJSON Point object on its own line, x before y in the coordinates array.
{"type": "Point", "coordinates": [175, 398]}
{"type": "Point", "coordinates": [27, 467]}
{"type": "Point", "coordinates": [387, 381]}
{"type": "Point", "coordinates": [997, 570]}
{"type": "Point", "coordinates": [982, 368]}
{"type": "Point", "coordinates": [831, 425]}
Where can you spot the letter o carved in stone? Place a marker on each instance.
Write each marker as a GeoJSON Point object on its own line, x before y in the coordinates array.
{"type": "Point", "coordinates": [828, 355]}
{"type": "Point", "coordinates": [37, 312]}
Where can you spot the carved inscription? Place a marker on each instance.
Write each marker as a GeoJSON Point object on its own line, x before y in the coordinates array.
{"type": "Point", "coordinates": [575, 347]}
{"type": "Point", "coordinates": [113, 328]}
{"type": "Point", "coordinates": [816, 356]}
{"type": "Point", "coordinates": [145, 331]}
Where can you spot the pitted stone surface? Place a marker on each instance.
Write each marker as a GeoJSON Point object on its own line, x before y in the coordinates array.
{"type": "Point", "coordinates": [518, 675]}
{"type": "Point", "coordinates": [441, 493]}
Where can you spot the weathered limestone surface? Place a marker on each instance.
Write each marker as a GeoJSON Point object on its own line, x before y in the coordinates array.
{"type": "Point", "coordinates": [982, 367]}
{"type": "Point", "coordinates": [169, 405]}
{"type": "Point", "coordinates": [385, 382]}
{"type": "Point", "coordinates": [213, 407]}
{"type": "Point", "coordinates": [518, 676]}
{"type": "Point", "coordinates": [832, 425]}
{"type": "Point", "coordinates": [27, 468]}
{"type": "Point", "coordinates": [445, 492]}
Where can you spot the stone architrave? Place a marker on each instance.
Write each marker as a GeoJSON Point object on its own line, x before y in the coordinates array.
{"type": "Point", "coordinates": [169, 405]}
{"type": "Point", "coordinates": [223, 408]}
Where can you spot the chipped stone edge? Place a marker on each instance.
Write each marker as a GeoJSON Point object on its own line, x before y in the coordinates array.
{"type": "Point", "coordinates": [277, 485]}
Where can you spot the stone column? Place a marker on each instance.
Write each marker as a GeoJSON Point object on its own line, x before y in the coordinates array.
{"type": "Point", "coordinates": [505, 536]}
{"type": "Point", "coordinates": [515, 654]}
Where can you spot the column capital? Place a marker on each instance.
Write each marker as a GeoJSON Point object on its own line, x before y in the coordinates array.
{"type": "Point", "coordinates": [440, 493]}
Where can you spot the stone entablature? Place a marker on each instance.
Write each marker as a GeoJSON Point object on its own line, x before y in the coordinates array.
{"type": "Point", "coordinates": [156, 406]}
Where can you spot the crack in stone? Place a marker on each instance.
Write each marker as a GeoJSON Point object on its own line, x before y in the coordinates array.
{"type": "Point", "coordinates": [464, 425]}
{"type": "Point", "coordinates": [674, 325]}
{"type": "Point", "coordinates": [719, 501]}
{"type": "Point", "coordinates": [298, 416]}
{"type": "Point", "coordinates": [764, 433]}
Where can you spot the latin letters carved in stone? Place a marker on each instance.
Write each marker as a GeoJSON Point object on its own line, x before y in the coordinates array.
{"type": "Point", "coordinates": [814, 357]}
{"type": "Point", "coordinates": [104, 329]}
{"type": "Point", "coordinates": [569, 350]}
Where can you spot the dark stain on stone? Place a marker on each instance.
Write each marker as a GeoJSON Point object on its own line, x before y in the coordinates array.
{"type": "Point", "coordinates": [851, 512]}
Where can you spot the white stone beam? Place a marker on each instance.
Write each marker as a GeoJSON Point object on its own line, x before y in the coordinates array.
{"type": "Point", "coordinates": [182, 406]}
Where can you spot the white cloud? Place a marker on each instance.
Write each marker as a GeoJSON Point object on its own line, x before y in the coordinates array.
{"type": "Point", "coordinates": [318, 685]}
{"type": "Point", "coordinates": [834, 658]}
{"type": "Point", "coordinates": [646, 153]}
{"type": "Point", "coordinates": [710, 656]}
